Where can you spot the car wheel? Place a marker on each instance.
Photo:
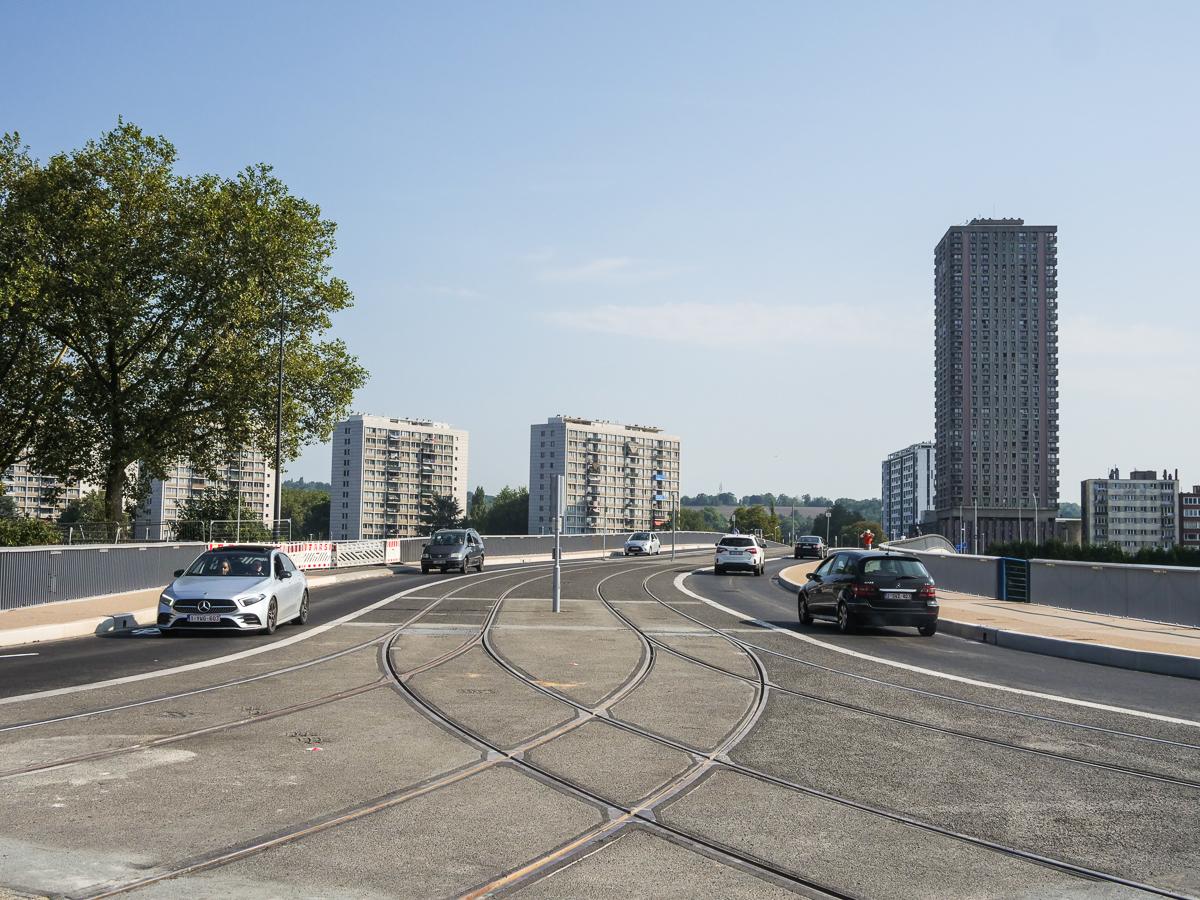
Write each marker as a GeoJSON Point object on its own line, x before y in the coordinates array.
{"type": "Point", "coordinates": [844, 623]}
{"type": "Point", "coordinates": [927, 630]}
{"type": "Point", "coordinates": [717, 570]}
{"type": "Point", "coordinates": [272, 617]}
{"type": "Point", "coordinates": [805, 616]}
{"type": "Point", "coordinates": [445, 569]}
{"type": "Point", "coordinates": [760, 569]}
{"type": "Point", "coordinates": [302, 616]}
{"type": "Point", "coordinates": [796, 556]}
{"type": "Point", "coordinates": [466, 563]}
{"type": "Point", "coordinates": [424, 570]}
{"type": "Point", "coordinates": [479, 568]}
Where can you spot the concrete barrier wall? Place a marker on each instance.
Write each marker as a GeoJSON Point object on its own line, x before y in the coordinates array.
{"type": "Point", "coordinates": [29, 577]}
{"type": "Point", "coordinates": [1158, 593]}
{"type": "Point", "coordinates": [1155, 593]}
{"type": "Point", "coordinates": [32, 576]}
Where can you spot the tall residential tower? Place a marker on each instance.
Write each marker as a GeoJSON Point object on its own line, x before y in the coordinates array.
{"type": "Point", "coordinates": [996, 380]}
{"type": "Point", "coordinates": [385, 473]}
{"type": "Point", "coordinates": [907, 488]}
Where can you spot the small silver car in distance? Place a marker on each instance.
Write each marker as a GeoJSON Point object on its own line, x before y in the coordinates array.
{"type": "Point", "coordinates": [242, 587]}
{"type": "Point", "coordinates": [643, 543]}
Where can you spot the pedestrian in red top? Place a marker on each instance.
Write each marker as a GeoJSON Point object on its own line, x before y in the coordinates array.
{"type": "Point", "coordinates": [868, 538]}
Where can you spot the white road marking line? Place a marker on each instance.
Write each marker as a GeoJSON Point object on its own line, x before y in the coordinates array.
{"type": "Point", "coordinates": [12, 655]}
{"type": "Point", "coordinates": [215, 661]}
{"type": "Point", "coordinates": [1141, 714]}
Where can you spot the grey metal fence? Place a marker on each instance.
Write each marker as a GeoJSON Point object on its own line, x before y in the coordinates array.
{"type": "Point", "coordinates": [29, 577]}
{"type": "Point", "coordinates": [1155, 593]}
{"type": "Point", "coordinates": [1159, 593]}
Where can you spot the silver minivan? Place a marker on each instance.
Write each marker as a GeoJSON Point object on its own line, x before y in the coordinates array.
{"type": "Point", "coordinates": [453, 548]}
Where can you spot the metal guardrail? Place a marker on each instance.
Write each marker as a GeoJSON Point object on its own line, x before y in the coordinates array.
{"type": "Point", "coordinates": [30, 576]}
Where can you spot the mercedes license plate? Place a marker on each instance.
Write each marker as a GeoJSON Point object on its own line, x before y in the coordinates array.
{"type": "Point", "coordinates": [204, 617]}
{"type": "Point", "coordinates": [895, 595]}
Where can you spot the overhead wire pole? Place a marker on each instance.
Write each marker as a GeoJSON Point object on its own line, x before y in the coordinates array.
{"type": "Point", "coordinates": [560, 496]}
{"type": "Point", "coordinates": [278, 513]}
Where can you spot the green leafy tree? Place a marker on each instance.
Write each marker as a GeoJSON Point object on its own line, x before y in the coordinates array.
{"type": "Point", "coordinates": [88, 508]}
{"type": "Point", "coordinates": [24, 531]}
{"type": "Point", "coordinates": [162, 295]}
{"type": "Point", "coordinates": [442, 512]}
{"type": "Point", "coordinates": [691, 519]}
{"type": "Point", "coordinates": [850, 533]}
{"type": "Point", "coordinates": [308, 508]}
{"type": "Point", "coordinates": [31, 380]}
{"type": "Point", "coordinates": [218, 505]}
{"type": "Point", "coordinates": [756, 518]}
{"type": "Point", "coordinates": [477, 507]}
{"type": "Point", "coordinates": [1069, 511]}
{"type": "Point", "coordinates": [508, 512]}
{"type": "Point", "coordinates": [8, 506]}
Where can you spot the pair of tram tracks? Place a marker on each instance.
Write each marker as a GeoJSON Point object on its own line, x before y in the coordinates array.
{"type": "Point", "coordinates": [621, 816]}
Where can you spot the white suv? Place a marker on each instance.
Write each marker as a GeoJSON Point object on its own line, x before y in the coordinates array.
{"type": "Point", "coordinates": [740, 551]}
{"type": "Point", "coordinates": [643, 543]}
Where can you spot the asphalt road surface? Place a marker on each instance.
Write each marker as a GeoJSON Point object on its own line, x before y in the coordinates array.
{"type": "Point", "coordinates": [428, 736]}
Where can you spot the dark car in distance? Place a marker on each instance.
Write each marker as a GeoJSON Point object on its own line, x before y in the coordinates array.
{"type": "Point", "coordinates": [453, 548]}
{"type": "Point", "coordinates": [809, 545]}
{"type": "Point", "coordinates": [863, 587]}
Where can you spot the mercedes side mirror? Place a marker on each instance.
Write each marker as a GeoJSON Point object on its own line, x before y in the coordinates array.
{"type": "Point", "coordinates": [285, 574]}
{"type": "Point", "coordinates": [813, 576]}
{"type": "Point", "coordinates": [178, 573]}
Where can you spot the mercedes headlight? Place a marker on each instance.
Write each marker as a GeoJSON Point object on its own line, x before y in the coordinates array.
{"type": "Point", "coordinates": [166, 598]}
{"type": "Point", "coordinates": [250, 601]}
{"type": "Point", "coordinates": [456, 556]}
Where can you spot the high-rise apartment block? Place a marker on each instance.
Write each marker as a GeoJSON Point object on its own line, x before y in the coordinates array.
{"type": "Point", "coordinates": [248, 473]}
{"type": "Point", "coordinates": [1135, 512]}
{"type": "Point", "coordinates": [39, 496]}
{"type": "Point", "coordinates": [618, 477]}
{"type": "Point", "coordinates": [386, 472]}
{"type": "Point", "coordinates": [996, 380]}
{"type": "Point", "coordinates": [1189, 518]}
{"type": "Point", "coordinates": [908, 477]}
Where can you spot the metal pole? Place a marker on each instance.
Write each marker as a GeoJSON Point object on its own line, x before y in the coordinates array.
{"type": "Point", "coordinates": [278, 511]}
{"type": "Point", "coordinates": [559, 512]}
{"type": "Point", "coordinates": [674, 524]}
{"type": "Point", "coordinates": [975, 543]}
{"type": "Point", "coordinates": [1035, 518]}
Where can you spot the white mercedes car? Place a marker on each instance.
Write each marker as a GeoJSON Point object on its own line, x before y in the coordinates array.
{"type": "Point", "coordinates": [235, 588]}
{"type": "Point", "coordinates": [643, 543]}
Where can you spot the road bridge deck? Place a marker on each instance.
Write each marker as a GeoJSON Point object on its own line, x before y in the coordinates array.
{"type": "Point", "coordinates": [449, 735]}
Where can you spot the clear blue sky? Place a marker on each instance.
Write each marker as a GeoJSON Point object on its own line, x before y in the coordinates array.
{"type": "Point", "coordinates": [617, 209]}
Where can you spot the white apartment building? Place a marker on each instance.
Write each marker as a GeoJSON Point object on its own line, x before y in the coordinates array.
{"type": "Point", "coordinates": [908, 483]}
{"type": "Point", "coordinates": [385, 472]}
{"type": "Point", "coordinates": [40, 496]}
{"type": "Point", "coordinates": [249, 473]}
{"type": "Point", "coordinates": [1134, 512]}
{"type": "Point", "coordinates": [618, 477]}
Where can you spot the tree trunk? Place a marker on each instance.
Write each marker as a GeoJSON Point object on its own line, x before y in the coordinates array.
{"type": "Point", "coordinates": [114, 492]}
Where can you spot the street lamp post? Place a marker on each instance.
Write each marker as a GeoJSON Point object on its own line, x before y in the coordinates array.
{"type": "Point", "coordinates": [828, 516]}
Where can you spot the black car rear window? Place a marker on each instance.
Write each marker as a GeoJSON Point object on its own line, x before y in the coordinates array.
{"type": "Point", "coordinates": [810, 540]}
{"type": "Point", "coordinates": [894, 567]}
{"type": "Point", "coordinates": [737, 542]}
